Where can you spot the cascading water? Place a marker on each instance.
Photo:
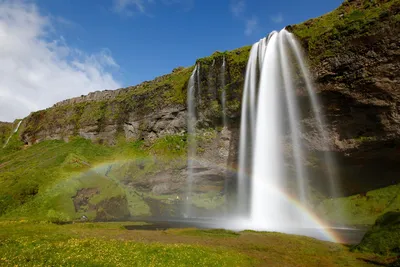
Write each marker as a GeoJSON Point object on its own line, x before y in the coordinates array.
{"type": "Point", "coordinates": [329, 162]}
{"type": "Point", "coordinates": [211, 82]}
{"type": "Point", "coordinates": [13, 132]}
{"type": "Point", "coordinates": [191, 122]}
{"type": "Point", "coordinates": [270, 109]}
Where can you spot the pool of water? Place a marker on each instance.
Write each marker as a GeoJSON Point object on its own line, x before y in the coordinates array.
{"type": "Point", "coordinates": [341, 234]}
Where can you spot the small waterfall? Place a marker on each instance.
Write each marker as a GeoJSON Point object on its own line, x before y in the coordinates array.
{"type": "Point", "coordinates": [192, 147]}
{"type": "Point", "coordinates": [12, 133]}
{"type": "Point", "coordinates": [210, 82]}
{"type": "Point", "coordinates": [223, 93]}
{"type": "Point", "coordinates": [270, 109]}
{"type": "Point", "coordinates": [329, 162]}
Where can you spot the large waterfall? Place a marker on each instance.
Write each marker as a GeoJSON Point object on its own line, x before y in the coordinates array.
{"type": "Point", "coordinates": [273, 191]}
{"type": "Point", "coordinates": [268, 193]}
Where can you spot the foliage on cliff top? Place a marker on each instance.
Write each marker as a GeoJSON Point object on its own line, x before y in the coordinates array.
{"type": "Point", "coordinates": [325, 36]}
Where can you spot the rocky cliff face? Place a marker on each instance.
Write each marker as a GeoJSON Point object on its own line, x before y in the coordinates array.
{"type": "Point", "coordinates": [355, 56]}
{"type": "Point", "coordinates": [354, 53]}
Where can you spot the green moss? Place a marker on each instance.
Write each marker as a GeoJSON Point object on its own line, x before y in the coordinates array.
{"type": "Point", "coordinates": [351, 20]}
{"type": "Point", "coordinates": [211, 200]}
{"type": "Point", "coordinates": [384, 236]}
{"type": "Point", "coordinates": [170, 145]}
{"type": "Point", "coordinates": [361, 209]}
{"type": "Point", "coordinates": [208, 233]}
{"type": "Point", "coordinates": [5, 131]}
{"type": "Point", "coordinates": [363, 139]}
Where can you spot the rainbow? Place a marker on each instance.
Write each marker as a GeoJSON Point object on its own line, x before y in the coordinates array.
{"type": "Point", "coordinates": [320, 229]}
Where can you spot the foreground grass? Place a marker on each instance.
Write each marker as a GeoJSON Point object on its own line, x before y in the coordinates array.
{"type": "Point", "coordinates": [88, 245]}
{"type": "Point", "coordinates": [109, 244]}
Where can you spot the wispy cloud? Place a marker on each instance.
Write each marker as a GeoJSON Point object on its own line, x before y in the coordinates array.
{"type": "Point", "coordinates": [39, 70]}
{"type": "Point", "coordinates": [238, 10]}
{"type": "Point", "coordinates": [238, 7]}
{"type": "Point", "coordinates": [130, 7]}
{"type": "Point", "coordinates": [251, 26]}
{"type": "Point", "coordinates": [278, 18]}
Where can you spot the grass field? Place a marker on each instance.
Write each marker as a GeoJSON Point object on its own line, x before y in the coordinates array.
{"type": "Point", "coordinates": [109, 244]}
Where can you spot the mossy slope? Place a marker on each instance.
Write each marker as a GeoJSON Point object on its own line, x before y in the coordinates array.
{"type": "Point", "coordinates": [384, 236]}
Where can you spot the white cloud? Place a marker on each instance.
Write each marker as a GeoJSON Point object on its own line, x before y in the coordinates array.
{"type": "Point", "coordinates": [278, 18]}
{"type": "Point", "coordinates": [130, 7]}
{"type": "Point", "coordinates": [124, 6]}
{"type": "Point", "coordinates": [37, 71]}
{"type": "Point", "coordinates": [251, 26]}
{"type": "Point", "coordinates": [238, 7]}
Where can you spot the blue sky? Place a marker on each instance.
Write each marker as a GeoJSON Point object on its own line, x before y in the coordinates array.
{"type": "Point", "coordinates": [52, 50]}
{"type": "Point", "coordinates": [169, 33]}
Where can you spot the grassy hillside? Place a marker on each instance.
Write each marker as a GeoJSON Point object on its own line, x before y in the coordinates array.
{"type": "Point", "coordinates": [40, 181]}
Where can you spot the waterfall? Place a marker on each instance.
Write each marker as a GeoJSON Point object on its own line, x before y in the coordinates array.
{"type": "Point", "coordinates": [210, 82]}
{"type": "Point", "coordinates": [329, 162]}
{"type": "Point", "coordinates": [192, 147]}
{"type": "Point", "coordinates": [270, 112]}
{"type": "Point", "coordinates": [12, 133]}
{"type": "Point", "coordinates": [246, 131]}
{"type": "Point", "coordinates": [223, 93]}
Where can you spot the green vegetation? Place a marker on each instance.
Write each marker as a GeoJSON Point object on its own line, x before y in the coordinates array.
{"type": "Point", "coordinates": [211, 200]}
{"type": "Point", "coordinates": [59, 181]}
{"type": "Point", "coordinates": [325, 36]}
{"type": "Point", "coordinates": [361, 209]}
{"type": "Point", "coordinates": [109, 244]}
{"type": "Point", "coordinates": [5, 131]}
{"type": "Point", "coordinates": [208, 232]}
{"type": "Point", "coordinates": [46, 244]}
{"type": "Point", "coordinates": [363, 139]}
{"type": "Point", "coordinates": [171, 145]}
{"type": "Point", "coordinates": [384, 237]}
